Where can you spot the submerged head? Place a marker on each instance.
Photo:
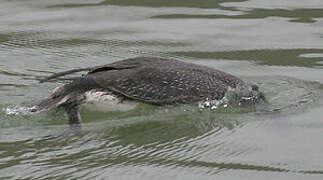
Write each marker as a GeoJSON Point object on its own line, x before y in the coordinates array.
{"type": "Point", "coordinates": [241, 96]}
{"type": "Point", "coordinates": [248, 95]}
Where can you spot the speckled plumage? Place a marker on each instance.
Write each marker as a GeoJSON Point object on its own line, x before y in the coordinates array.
{"type": "Point", "coordinates": [146, 79]}
{"type": "Point", "coordinates": [163, 81]}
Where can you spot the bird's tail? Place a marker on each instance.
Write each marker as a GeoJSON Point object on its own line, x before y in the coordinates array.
{"type": "Point", "coordinates": [53, 101]}
{"type": "Point", "coordinates": [67, 94]}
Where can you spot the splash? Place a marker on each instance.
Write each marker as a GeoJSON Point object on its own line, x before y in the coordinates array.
{"type": "Point", "coordinates": [240, 96]}
{"type": "Point", "coordinates": [16, 110]}
{"type": "Point", "coordinates": [213, 104]}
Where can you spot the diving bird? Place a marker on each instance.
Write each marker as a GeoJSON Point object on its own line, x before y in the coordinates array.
{"type": "Point", "coordinates": [150, 80]}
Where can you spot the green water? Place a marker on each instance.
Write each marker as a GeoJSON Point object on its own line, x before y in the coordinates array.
{"type": "Point", "coordinates": [275, 44]}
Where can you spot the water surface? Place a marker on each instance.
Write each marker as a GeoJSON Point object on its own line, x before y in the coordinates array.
{"type": "Point", "coordinates": [277, 45]}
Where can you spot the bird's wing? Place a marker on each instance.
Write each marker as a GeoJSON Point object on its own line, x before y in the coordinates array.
{"type": "Point", "coordinates": [161, 85]}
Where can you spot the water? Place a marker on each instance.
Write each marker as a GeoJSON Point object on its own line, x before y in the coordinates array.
{"type": "Point", "coordinates": [277, 45]}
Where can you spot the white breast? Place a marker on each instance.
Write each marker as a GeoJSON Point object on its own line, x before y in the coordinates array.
{"type": "Point", "coordinates": [106, 101]}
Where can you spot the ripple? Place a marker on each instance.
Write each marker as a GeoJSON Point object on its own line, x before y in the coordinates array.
{"type": "Point", "coordinates": [280, 57]}
{"type": "Point", "coordinates": [312, 55]}
{"type": "Point", "coordinates": [281, 141]}
{"type": "Point", "coordinates": [177, 137]}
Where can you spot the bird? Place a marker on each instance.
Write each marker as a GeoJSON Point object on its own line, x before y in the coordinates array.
{"type": "Point", "coordinates": [152, 80]}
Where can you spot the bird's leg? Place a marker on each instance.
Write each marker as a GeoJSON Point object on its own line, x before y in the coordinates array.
{"type": "Point", "coordinates": [73, 114]}
{"type": "Point", "coordinates": [74, 120]}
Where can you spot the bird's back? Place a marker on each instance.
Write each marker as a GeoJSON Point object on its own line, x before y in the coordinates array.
{"type": "Point", "coordinates": [163, 81]}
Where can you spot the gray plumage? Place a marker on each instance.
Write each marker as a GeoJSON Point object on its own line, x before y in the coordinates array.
{"type": "Point", "coordinates": [146, 79]}
{"type": "Point", "coordinates": [153, 80]}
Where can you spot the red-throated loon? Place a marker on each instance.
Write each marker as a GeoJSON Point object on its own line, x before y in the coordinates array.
{"type": "Point", "coordinates": [146, 79]}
